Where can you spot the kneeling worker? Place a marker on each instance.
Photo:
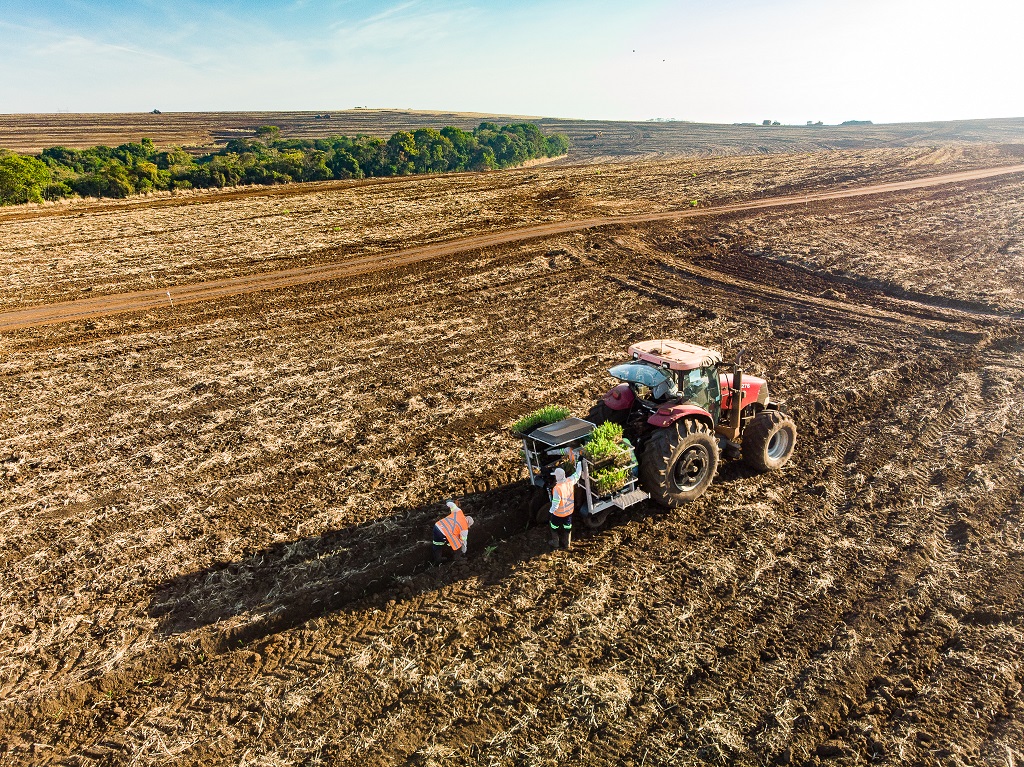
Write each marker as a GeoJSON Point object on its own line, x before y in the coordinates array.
{"type": "Point", "coordinates": [452, 531]}
{"type": "Point", "coordinates": [560, 513]}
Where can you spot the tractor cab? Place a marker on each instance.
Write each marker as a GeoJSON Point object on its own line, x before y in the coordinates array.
{"type": "Point", "coordinates": [667, 372]}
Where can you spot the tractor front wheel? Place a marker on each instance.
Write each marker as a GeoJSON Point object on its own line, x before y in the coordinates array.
{"type": "Point", "coordinates": [679, 463]}
{"type": "Point", "coordinates": [769, 440]}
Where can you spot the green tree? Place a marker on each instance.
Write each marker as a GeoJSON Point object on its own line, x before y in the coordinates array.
{"type": "Point", "coordinates": [510, 149]}
{"type": "Point", "coordinates": [22, 179]}
{"type": "Point", "coordinates": [268, 134]}
{"type": "Point", "coordinates": [173, 157]}
{"type": "Point", "coordinates": [434, 152]}
{"type": "Point", "coordinates": [556, 145]}
{"type": "Point", "coordinates": [111, 180]}
{"type": "Point", "coordinates": [103, 171]}
{"type": "Point", "coordinates": [289, 163]}
{"type": "Point", "coordinates": [343, 165]}
{"type": "Point", "coordinates": [371, 154]}
{"type": "Point", "coordinates": [401, 152]}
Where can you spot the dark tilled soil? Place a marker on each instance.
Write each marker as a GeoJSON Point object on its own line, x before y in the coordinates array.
{"type": "Point", "coordinates": [215, 520]}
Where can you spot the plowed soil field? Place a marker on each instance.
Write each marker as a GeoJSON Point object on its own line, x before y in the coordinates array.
{"type": "Point", "coordinates": [214, 517]}
{"type": "Point", "coordinates": [592, 140]}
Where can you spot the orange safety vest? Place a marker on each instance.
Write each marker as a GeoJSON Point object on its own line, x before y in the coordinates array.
{"type": "Point", "coordinates": [452, 526]}
{"type": "Point", "coordinates": [564, 491]}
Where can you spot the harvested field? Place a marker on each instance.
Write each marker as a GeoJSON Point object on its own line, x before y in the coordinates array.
{"type": "Point", "coordinates": [215, 517]}
{"type": "Point", "coordinates": [593, 140]}
{"type": "Point", "coordinates": [120, 247]}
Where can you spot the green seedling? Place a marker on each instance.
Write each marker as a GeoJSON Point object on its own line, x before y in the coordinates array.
{"type": "Point", "coordinates": [609, 480]}
{"type": "Point", "coordinates": [605, 442]}
{"type": "Point", "coordinates": [489, 551]}
{"type": "Point", "coordinates": [540, 417]}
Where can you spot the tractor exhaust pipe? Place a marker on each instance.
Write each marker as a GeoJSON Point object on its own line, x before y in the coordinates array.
{"type": "Point", "coordinates": [737, 396]}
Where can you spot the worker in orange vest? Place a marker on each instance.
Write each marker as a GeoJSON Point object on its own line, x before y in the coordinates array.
{"type": "Point", "coordinates": [451, 532]}
{"type": "Point", "coordinates": [560, 513]}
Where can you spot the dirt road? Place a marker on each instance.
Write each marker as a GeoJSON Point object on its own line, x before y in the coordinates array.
{"type": "Point", "coordinates": [205, 291]}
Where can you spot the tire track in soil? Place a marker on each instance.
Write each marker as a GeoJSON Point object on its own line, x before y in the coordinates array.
{"type": "Point", "coordinates": [624, 740]}
{"type": "Point", "coordinates": [734, 666]}
{"type": "Point", "coordinates": [877, 324]}
{"type": "Point", "coordinates": [291, 656]}
{"type": "Point", "coordinates": [398, 614]}
{"type": "Point", "coordinates": [843, 449]}
{"type": "Point", "coordinates": [813, 614]}
{"type": "Point", "coordinates": [916, 641]}
{"type": "Point", "coordinates": [876, 606]}
{"type": "Point", "coordinates": [23, 548]}
{"type": "Point", "coordinates": [373, 627]}
{"type": "Point", "coordinates": [215, 289]}
{"type": "Point", "coordinates": [407, 557]}
{"type": "Point", "coordinates": [398, 618]}
{"type": "Point", "coordinates": [205, 642]}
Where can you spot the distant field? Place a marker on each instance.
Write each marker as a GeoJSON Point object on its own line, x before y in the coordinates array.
{"type": "Point", "coordinates": [591, 139]}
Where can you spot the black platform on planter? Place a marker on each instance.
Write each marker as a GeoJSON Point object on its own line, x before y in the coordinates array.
{"type": "Point", "coordinates": [562, 433]}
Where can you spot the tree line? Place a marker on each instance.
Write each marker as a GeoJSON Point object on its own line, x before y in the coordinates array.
{"type": "Point", "coordinates": [137, 168]}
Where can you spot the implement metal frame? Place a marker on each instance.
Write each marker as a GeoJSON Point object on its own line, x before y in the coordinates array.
{"type": "Point", "coordinates": [573, 433]}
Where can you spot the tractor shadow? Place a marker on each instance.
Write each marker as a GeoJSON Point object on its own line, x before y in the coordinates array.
{"type": "Point", "coordinates": [734, 471]}
{"type": "Point", "coordinates": [364, 565]}
{"type": "Point", "coordinates": [289, 583]}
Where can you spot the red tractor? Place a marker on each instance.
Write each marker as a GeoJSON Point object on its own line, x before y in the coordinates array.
{"type": "Point", "coordinates": [677, 405]}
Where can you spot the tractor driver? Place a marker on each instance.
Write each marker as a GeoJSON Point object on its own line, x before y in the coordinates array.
{"type": "Point", "coordinates": [695, 388]}
{"type": "Point", "coordinates": [660, 386]}
{"type": "Point", "coordinates": [667, 389]}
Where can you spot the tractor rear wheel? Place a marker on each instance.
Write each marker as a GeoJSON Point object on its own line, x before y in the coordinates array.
{"type": "Point", "coordinates": [679, 462]}
{"type": "Point", "coordinates": [769, 440]}
{"type": "Point", "coordinates": [600, 413]}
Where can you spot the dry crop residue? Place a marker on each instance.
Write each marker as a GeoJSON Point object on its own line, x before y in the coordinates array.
{"type": "Point", "coordinates": [214, 519]}
{"type": "Point", "coordinates": [87, 249]}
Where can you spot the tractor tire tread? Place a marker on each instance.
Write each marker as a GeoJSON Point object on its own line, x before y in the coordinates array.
{"type": "Point", "coordinates": [659, 456]}
{"type": "Point", "coordinates": [759, 433]}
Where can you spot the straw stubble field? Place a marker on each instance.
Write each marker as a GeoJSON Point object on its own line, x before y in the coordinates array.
{"type": "Point", "coordinates": [214, 516]}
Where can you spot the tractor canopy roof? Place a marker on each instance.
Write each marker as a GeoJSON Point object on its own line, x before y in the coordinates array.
{"type": "Point", "coordinates": [675, 354]}
{"type": "Point", "coordinates": [640, 373]}
{"type": "Point", "coordinates": [657, 379]}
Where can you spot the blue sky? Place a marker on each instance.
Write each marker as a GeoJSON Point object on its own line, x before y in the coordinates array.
{"type": "Point", "coordinates": [723, 61]}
